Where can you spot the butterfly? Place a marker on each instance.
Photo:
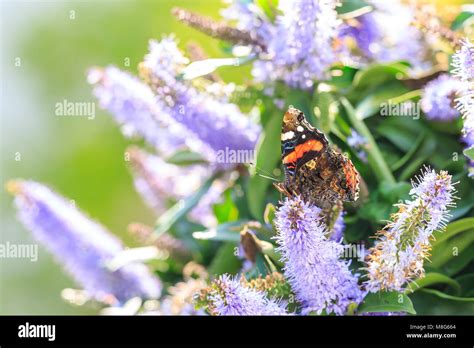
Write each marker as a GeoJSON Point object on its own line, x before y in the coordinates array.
{"type": "Point", "coordinates": [317, 173]}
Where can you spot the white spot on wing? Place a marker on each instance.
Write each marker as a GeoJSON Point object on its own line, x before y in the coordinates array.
{"type": "Point", "coordinates": [287, 135]}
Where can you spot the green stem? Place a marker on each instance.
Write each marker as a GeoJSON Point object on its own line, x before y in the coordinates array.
{"type": "Point", "coordinates": [407, 96]}
{"type": "Point", "coordinates": [376, 160]}
{"type": "Point", "coordinates": [181, 208]}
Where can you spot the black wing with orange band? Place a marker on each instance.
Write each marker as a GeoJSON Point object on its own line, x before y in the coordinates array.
{"type": "Point", "coordinates": [300, 142]}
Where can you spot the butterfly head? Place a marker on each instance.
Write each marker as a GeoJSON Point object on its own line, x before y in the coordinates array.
{"type": "Point", "coordinates": [293, 119]}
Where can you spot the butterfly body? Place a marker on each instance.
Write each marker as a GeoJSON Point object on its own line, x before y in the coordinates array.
{"type": "Point", "coordinates": [313, 170]}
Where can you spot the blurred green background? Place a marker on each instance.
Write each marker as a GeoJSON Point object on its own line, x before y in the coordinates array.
{"type": "Point", "coordinates": [82, 159]}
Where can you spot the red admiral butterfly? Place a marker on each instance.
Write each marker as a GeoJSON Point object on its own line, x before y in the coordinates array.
{"type": "Point", "coordinates": [313, 170]}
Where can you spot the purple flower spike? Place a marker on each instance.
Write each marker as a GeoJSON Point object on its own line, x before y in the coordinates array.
{"type": "Point", "coordinates": [365, 32]}
{"type": "Point", "coordinates": [397, 257]}
{"type": "Point", "coordinates": [377, 40]}
{"type": "Point", "coordinates": [338, 228]}
{"type": "Point", "coordinates": [301, 50]}
{"type": "Point", "coordinates": [230, 297]}
{"type": "Point", "coordinates": [133, 105]}
{"type": "Point", "coordinates": [438, 99]}
{"type": "Point", "coordinates": [216, 123]}
{"type": "Point", "coordinates": [463, 61]}
{"type": "Point", "coordinates": [160, 182]}
{"type": "Point", "coordinates": [249, 17]}
{"type": "Point", "coordinates": [82, 246]}
{"type": "Point", "coordinates": [319, 278]}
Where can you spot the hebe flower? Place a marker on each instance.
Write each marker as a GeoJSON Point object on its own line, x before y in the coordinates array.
{"type": "Point", "coordinates": [468, 138]}
{"type": "Point", "coordinates": [301, 49]}
{"type": "Point", "coordinates": [160, 182]}
{"type": "Point", "coordinates": [317, 275]}
{"type": "Point", "coordinates": [216, 123]}
{"type": "Point", "coordinates": [397, 257]}
{"type": "Point", "coordinates": [366, 33]}
{"type": "Point", "coordinates": [438, 98]}
{"type": "Point", "coordinates": [463, 63]}
{"type": "Point", "coordinates": [180, 298]}
{"type": "Point", "coordinates": [230, 296]}
{"type": "Point", "coordinates": [135, 107]}
{"type": "Point", "coordinates": [249, 18]}
{"type": "Point", "coordinates": [338, 228]}
{"type": "Point", "coordinates": [406, 42]}
{"type": "Point", "coordinates": [82, 246]}
{"type": "Point", "coordinates": [377, 40]}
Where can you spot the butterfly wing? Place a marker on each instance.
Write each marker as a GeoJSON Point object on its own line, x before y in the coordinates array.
{"type": "Point", "coordinates": [300, 142]}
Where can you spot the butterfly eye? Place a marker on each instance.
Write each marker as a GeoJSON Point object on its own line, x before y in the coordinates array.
{"type": "Point", "coordinates": [300, 117]}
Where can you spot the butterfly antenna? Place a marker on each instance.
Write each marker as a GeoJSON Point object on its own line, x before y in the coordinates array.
{"type": "Point", "coordinates": [265, 174]}
{"type": "Point", "coordinates": [267, 177]}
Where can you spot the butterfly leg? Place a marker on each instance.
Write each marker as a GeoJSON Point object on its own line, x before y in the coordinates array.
{"type": "Point", "coordinates": [281, 187]}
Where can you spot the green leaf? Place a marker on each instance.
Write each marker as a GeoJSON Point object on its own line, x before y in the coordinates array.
{"type": "Point", "coordinates": [402, 132]}
{"type": "Point", "coordinates": [453, 229]}
{"type": "Point", "coordinates": [270, 250]}
{"type": "Point", "coordinates": [467, 284]}
{"type": "Point", "coordinates": [372, 103]}
{"type": "Point", "coordinates": [301, 99]}
{"type": "Point", "coordinates": [353, 8]}
{"type": "Point", "coordinates": [269, 7]}
{"type": "Point", "coordinates": [434, 278]}
{"type": "Point", "coordinates": [386, 302]}
{"type": "Point", "coordinates": [408, 155]}
{"type": "Point", "coordinates": [181, 208]}
{"type": "Point", "coordinates": [342, 76]}
{"type": "Point", "coordinates": [228, 232]}
{"type": "Point", "coordinates": [227, 210]}
{"type": "Point", "coordinates": [456, 264]}
{"type": "Point", "coordinates": [461, 19]}
{"type": "Point", "coordinates": [448, 297]}
{"type": "Point", "coordinates": [426, 149]}
{"type": "Point", "coordinates": [133, 255]}
{"type": "Point", "coordinates": [225, 261]}
{"type": "Point", "coordinates": [207, 66]}
{"type": "Point", "coordinates": [268, 157]}
{"type": "Point", "coordinates": [378, 73]}
{"type": "Point", "coordinates": [469, 152]}
{"type": "Point", "coordinates": [325, 110]}
{"type": "Point", "coordinates": [261, 265]}
{"type": "Point", "coordinates": [451, 249]}
{"type": "Point", "coordinates": [185, 158]}
{"type": "Point", "coordinates": [393, 193]}
{"type": "Point", "coordinates": [379, 206]}
{"type": "Point", "coordinates": [269, 214]}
